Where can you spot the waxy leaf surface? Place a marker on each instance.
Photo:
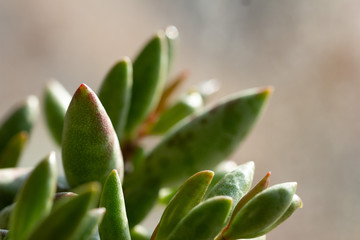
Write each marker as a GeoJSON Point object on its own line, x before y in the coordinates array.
{"type": "Point", "coordinates": [89, 224]}
{"type": "Point", "coordinates": [150, 69]}
{"type": "Point", "coordinates": [34, 201]}
{"type": "Point", "coordinates": [10, 156]}
{"type": "Point", "coordinates": [90, 147]}
{"type": "Point", "coordinates": [56, 102]}
{"type": "Point", "coordinates": [187, 197]}
{"type": "Point", "coordinates": [204, 221]}
{"type": "Point", "coordinates": [206, 140]}
{"type": "Point", "coordinates": [20, 119]}
{"type": "Point", "coordinates": [65, 220]}
{"type": "Point", "coordinates": [186, 106]}
{"type": "Point", "coordinates": [234, 184]}
{"type": "Point", "coordinates": [115, 223]}
{"type": "Point", "coordinates": [115, 93]}
{"type": "Point", "coordinates": [261, 212]}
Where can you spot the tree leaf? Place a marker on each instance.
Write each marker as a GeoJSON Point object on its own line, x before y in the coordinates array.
{"type": "Point", "coordinates": [187, 197]}
{"type": "Point", "coordinates": [56, 102]}
{"type": "Point", "coordinates": [10, 155]}
{"type": "Point", "coordinates": [115, 224]}
{"type": "Point", "coordinates": [261, 212]}
{"type": "Point", "coordinates": [34, 201]}
{"type": "Point", "coordinates": [115, 93]}
{"type": "Point", "coordinates": [204, 221]}
{"type": "Point", "coordinates": [90, 148]}
{"type": "Point", "coordinates": [150, 69]}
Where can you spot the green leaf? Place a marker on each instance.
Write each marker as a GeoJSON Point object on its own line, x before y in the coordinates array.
{"type": "Point", "coordinates": [295, 204]}
{"type": "Point", "coordinates": [90, 147]}
{"type": "Point", "coordinates": [139, 233]}
{"type": "Point", "coordinates": [261, 212]}
{"type": "Point", "coordinates": [172, 37]}
{"type": "Point", "coordinates": [187, 197]}
{"type": "Point", "coordinates": [206, 140]}
{"type": "Point", "coordinates": [115, 93]}
{"type": "Point", "coordinates": [186, 106]}
{"type": "Point", "coordinates": [234, 184]}
{"type": "Point", "coordinates": [11, 179]}
{"type": "Point", "coordinates": [56, 102]}
{"type": "Point", "coordinates": [21, 119]}
{"type": "Point", "coordinates": [221, 170]}
{"type": "Point", "coordinates": [89, 224]}
{"type": "Point", "coordinates": [10, 156]}
{"type": "Point", "coordinates": [204, 221]}
{"type": "Point", "coordinates": [3, 234]}
{"type": "Point", "coordinates": [150, 69]}
{"type": "Point", "coordinates": [65, 220]}
{"type": "Point", "coordinates": [115, 224]}
{"type": "Point", "coordinates": [140, 193]}
{"type": "Point", "coordinates": [259, 187]}
{"type": "Point", "coordinates": [34, 201]}
{"type": "Point", "coordinates": [5, 216]}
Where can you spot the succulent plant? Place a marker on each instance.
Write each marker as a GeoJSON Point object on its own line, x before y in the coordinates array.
{"type": "Point", "coordinates": [112, 180]}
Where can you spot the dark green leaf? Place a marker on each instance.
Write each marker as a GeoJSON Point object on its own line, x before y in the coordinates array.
{"type": "Point", "coordinates": [89, 224]}
{"type": "Point", "coordinates": [10, 156]}
{"type": "Point", "coordinates": [150, 69]}
{"type": "Point", "coordinates": [115, 93]}
{"type": "Point", "coordinates": [21, 119]}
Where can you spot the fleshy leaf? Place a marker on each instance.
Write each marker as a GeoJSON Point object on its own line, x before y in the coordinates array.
{"type": "Point", "coordinates": [21, 119]}
{"type": "Point", "coordinates": [295, 204]}
{"type": "Point", "coordinates": [172, 37]}
{"type": "Point", "coordinates": [115, 224]}
{"type": "Point", "coordinates": [10, 156]}
{"type": "Point", "coordinates": [139, 233]}
{"type": "Point", "coordinates": [234, 184]}
{"type": "Point", "coordinates": [5, 216]}
{"type": "Point", "coordinates": [186, 106]}
{"type": "Point", "coordinates": [259, 187]}
{"type": "Point", "coordinates": [90, 147]}
{"type": "Point", "coordinates": [89, 224]}
{"type": "Point", "coordinates": [261, 212]}
{"type": "Point", "coordinates": [187, 197]}
{"type": "Point", "coordinates": [56, 102]}
{"type": "Point", "coordinates": [221, 170]}
{"type": "Point", "coordinates": [11, 179]}
{"type": "Point", "coordinates": [34, 200]}
{"type": "Point", "coordinates": [66, 219]}
{"type": "Point", "coordinates": [150, 69]}
{"type": "Point", "coordinates": [204, 221]}
{"type": "Point", "coordinates": [115, 93]}
{"type": "Point", "coordinates": [3, 234]}
{"type": "Point", "coordinates": [206, 140]}
{"type": "Point", "coordinates": [140, 195]}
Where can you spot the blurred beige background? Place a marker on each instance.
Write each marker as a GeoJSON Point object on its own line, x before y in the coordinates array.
{"type": "Point", "coordinates": [308, 50]}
